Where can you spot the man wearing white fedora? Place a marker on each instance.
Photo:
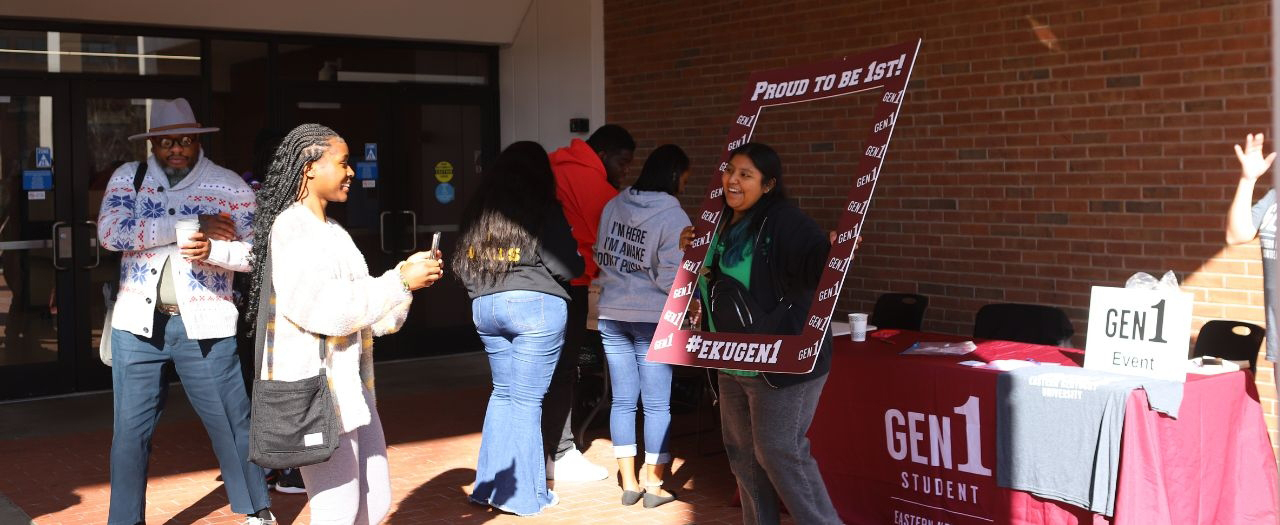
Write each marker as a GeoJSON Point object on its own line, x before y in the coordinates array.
{"type": "Point", "coordinates": [175, 305]}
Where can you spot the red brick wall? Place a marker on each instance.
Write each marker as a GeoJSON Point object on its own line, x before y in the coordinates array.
{"type": "Point", "coordinates": [1043, 148]}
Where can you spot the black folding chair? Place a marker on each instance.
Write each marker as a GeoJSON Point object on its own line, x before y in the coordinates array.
{"type": "Point", "coordinates": [1024, 323]}
{"type": "Point", "coordinates": [1234, 340]}
{"type": "Point", "coordinates": [904, 311]}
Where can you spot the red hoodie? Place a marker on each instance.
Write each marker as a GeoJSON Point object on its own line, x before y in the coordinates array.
{"type": "Point", "coordinates": [583, 189]}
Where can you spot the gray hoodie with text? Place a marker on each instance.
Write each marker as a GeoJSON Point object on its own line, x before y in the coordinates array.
{"type": "Point", "coordinates": [638, 250]}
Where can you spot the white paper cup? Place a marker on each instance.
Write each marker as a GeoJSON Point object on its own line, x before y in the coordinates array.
{"type": "Point", "coordinates": [858, 327]}
{"type": "Point", "coordinates": [185, 228]}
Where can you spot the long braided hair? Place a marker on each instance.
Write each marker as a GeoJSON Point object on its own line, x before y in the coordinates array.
{"type": "Point", "coordinates": [506, 214]}
{"type": "Point", "coordinates": [282, 187]}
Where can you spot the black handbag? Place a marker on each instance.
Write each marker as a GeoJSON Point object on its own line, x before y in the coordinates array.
{"type": "Point", "coordinates": [291, 423]}
{"type": "Point", "coordinates": [730, 304]}
{"type": "Point", "coordinates": [732, 308]}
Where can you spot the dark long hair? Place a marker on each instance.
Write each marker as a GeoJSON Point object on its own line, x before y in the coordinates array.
{"type": "Point", "coordinates": [662, 170]}
{"type": "Point", "coordinates": [506, 214]}
{"type": "Point", "coordinates": [770, 167]}
{"type": "Point", "coordinates": [281, 188]}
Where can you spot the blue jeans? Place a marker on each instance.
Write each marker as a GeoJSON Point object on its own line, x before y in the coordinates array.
{"type": "Point", "coordinates": [634, 378]}
{"type": "Point", "coordinates": [522, 332]}
{"type": "Point", "coordinates": [210, 372]}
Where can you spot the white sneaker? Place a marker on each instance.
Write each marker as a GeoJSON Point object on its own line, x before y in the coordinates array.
{"type": "Point", "coordinates": [574, 467]}
{"type": "Point", "coordinates": [254, 520]}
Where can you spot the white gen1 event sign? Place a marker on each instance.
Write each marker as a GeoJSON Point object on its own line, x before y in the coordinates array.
{"type": "Point", "coordinates": [1139, 332]}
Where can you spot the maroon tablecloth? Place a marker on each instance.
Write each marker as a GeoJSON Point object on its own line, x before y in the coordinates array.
{"type": "Point", "coordinates": [893, 435]}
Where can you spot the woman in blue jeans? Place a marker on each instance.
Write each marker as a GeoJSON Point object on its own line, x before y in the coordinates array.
{"type": "Point", "coordinates": [638, 251]}
{"type": "Point", "coordinates": [516, 256]}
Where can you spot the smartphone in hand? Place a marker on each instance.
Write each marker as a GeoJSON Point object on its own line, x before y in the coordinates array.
{"type": "Point", "coordinates": [427, 254]}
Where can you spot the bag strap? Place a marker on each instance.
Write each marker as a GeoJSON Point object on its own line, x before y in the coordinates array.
{"type": "Point", "coordinates": [138, 175]}
{"type": "Point", "coordinates": [265, 292]}
{"type": "Point", "coordinates": [264, 302]}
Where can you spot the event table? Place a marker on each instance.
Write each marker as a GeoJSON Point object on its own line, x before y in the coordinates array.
{"type": "Point", "coordinates": [1213, 464]}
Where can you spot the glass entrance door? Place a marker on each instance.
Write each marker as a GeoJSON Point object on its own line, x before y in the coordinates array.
{"type": "Point", "coordinates": [427, 149]}
{"type": "Point", "coordinates": [35, 354]}
{"type": "Point", "coordinates": [60, 140]}
{"type": "Point", "coordinates": [445, 147]}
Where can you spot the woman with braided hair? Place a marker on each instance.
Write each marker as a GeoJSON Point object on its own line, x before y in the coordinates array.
{"type": "Point", "coordinates": [323, 292]}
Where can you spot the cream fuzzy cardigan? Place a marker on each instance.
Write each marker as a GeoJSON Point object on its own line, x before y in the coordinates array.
{"type": "Point", "coordinates": [323, 287]}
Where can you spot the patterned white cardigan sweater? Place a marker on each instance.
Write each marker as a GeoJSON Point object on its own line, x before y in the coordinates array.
{"type": "Point", "coordinates": [323, 287]}
{"type": "Point", "coordinates": [142, 226]}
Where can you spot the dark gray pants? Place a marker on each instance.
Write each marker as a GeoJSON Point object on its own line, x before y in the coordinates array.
{"type": "Point", "coordinates": [764, 436]}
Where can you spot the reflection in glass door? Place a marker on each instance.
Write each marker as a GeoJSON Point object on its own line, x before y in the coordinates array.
{"type": "Point", "coordinates": [27, 306]}
{"type": "Point", "coordinates": [446, 145]}
{"type": "Point", "coordinates": [359, 121]}
{"type": "Point", "coordinates": [60, 141]}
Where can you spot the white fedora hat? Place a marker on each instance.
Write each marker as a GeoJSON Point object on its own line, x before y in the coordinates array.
{"type": "Point", "coordinates": [172, 117]}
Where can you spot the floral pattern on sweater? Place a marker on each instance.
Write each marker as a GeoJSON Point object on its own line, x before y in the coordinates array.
{"type": "Point", "coordinates": [141, 225]}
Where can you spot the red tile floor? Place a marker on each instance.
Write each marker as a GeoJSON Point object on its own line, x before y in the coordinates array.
{"type": "Point", "coordinates": [53, 460]}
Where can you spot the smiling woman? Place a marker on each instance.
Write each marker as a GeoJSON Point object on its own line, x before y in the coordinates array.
{"type": "Point", "coordinates": [745, 183]}
{"type": "Point", "coordinates": [765, 264]}
{"type": "Point", "coordinates": [324, 296]}
{"type": "Point", "coordinates": [329, 178]}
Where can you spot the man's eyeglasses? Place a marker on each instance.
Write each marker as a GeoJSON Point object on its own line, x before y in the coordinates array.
{"type": "Point", "coordinates": [167, 143]}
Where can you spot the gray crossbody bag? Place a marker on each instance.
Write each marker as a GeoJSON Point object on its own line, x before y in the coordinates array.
{"type": "Point", "coordinates": [291, 423]}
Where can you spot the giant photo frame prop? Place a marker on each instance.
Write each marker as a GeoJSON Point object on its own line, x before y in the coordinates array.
{"type": "Point", "coordinates": [888, 68]}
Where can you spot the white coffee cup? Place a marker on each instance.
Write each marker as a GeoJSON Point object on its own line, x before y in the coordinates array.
{"type": "Point", "coordinates": [185, 228]}
{"type": "Point", "coordinates": [858, 327]}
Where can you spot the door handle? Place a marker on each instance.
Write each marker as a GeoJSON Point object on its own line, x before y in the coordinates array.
{"type": "Point", "coordinates": [60, 242]}
{"type": "Point", "coordinates": [382, 231]}
{"type": "Point", "coordinates": [97, 247]}
{"type": "Point", "coordinates": [413, 231]}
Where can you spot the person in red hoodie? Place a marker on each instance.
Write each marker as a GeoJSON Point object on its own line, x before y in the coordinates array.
{"type": "Point", "coordinates": [588, 175]}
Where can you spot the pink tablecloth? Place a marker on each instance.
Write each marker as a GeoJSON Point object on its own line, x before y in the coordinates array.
{"type": "Point", "coordinates": [892, 437]}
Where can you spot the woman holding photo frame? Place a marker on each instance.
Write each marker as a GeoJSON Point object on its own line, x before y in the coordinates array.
{"type": "Point", "coordinates": [764, 265]}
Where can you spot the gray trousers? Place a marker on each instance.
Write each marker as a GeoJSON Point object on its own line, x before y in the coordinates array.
{"type": "Point", "coordinates": [764, 436]}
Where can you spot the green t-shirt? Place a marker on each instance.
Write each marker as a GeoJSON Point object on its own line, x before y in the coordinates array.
{"type": "Point", "coordinates": [740, 269]}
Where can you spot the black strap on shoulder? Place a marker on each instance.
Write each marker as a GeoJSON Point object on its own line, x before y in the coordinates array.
{"type": "Point", "coordinates": [264, 303]}
{"type": "Point", "coordinates": [138, 175]}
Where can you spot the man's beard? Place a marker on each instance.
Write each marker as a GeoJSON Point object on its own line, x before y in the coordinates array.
{"type": "Point", "coordinates": [176, 173]}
